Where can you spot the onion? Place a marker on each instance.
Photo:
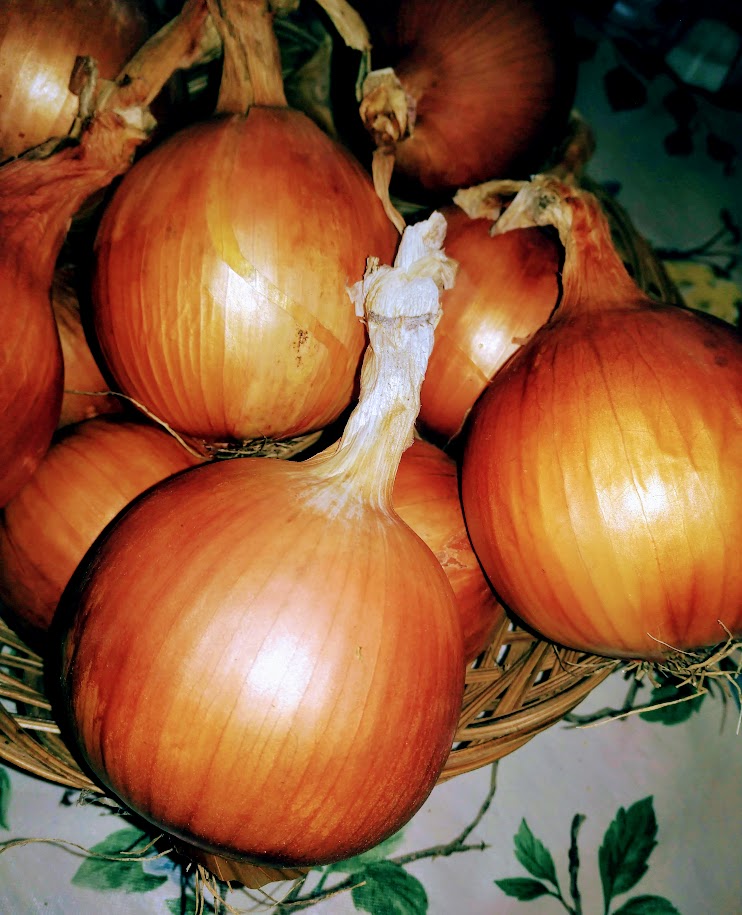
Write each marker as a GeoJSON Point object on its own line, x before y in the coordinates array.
{"type": "Point", "coordinates": [222, 261]}
{"type": "Point", "coordinates": [39, 42]}
{"type": "Point", "coordinates": [506, 288]}
{"type": "Point", "coordinates": [88, 475]}
{"type": "Point", "coordinates": [601, 475]}
{"type": "Point", "coordinates": [38, 197]}
{"type": "Point", "coordinates": [466, 90]}
{"type": "Point", "coordinates": [291, 650]}
{"type": "Point", "coordinates": [426, 496]}
{"type": "Point", "coordinates": [81, 370]}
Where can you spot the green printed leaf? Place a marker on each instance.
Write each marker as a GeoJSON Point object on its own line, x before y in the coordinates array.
{"type": "Point", "coordinates": [377, 853]}
{"type": "Point", "coordinates": [105, 875]}
{"type": "Point", "coordinates": [4, 798]}
{"type": "Point", "coordinates": [647, 905]}
{"type": "Point", "coordinates": [523, 888]}
{"type": "Point", "coordinates": [387, 889]}
{"type": "Point", "coordinates": [678, 711]}
{"type": "Point", "coordinates": [627, 845]}
{"type": "Point", "coordinates": [533, 854]}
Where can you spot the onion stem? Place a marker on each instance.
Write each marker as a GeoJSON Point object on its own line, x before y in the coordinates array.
{"type": "Point", "coordinates": [251, 72]}
{"type": "Point", "coordinates": [594, 276]}
{"type": "Point", "coordinates": [402, 309]}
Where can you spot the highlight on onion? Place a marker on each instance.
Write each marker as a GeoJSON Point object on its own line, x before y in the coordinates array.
{"type": "Point", "coordinates": [272, 619]}
{"type": "Point", "coordinates": [426, 496]}
{"type": "Point", "coordinates": [466, 90]}
{"type": "Point", "coordinates": [39, 42]}
{"type": "Point", "coordinates": [91, 472]}
{"type": "Point", "coordinates": [506, 288]}
{"type": "Point", "coordinates": [39, 195]}
{"type": "Point", "coordinates": [219, 293]}
{"type": "Point", "coordinates": [601, 477]}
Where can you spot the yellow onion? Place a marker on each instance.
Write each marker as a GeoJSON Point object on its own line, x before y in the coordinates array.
{"type": "Point", "coordinates": [91, 472]}
{"type": "Point", "coordinates": [38, 197]}
{"type": "Point", "coordinates": [222, 261]}
{"type": "Point", "coordinates": [466, 90]}
{"type": "Point", "coordinates": [506, 288]}
{"type": "Point", "coordinates": [426, 496]}
{"type": "Point", "coordinates": [290, 649]}
{"type": "Point", "coordinates": [39, 41]}
{"type": "Point", "coordinates": [601, 475]}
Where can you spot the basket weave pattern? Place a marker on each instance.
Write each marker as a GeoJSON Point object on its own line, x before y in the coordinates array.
{"type": "Point", "coordinates": [517, 688]}
{"type": "Point", "coordinates": [520, 686]}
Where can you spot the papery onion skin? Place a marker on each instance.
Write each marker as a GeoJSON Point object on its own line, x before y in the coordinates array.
{"type": "Point", "coordinates": [39, 195]}
{"type": "Point", "coordinates": [39, 42]}
{"type": "Point", "coordinates": [506, 288]}
{"type": "Point", "coordinates": [490, 84]}
{"type": "Point", "coordinates": [88, 475]}
{"type": "Point", "coordinates": [290, 697]}
{"type": "Point", "coordinates": [81, 370]}
{"type": "Point", "coordinates": [31, 376]}
{"type": "Point", "coordinates": [221, 270]}
{"type": "Point", "coordinates": [601, 481]}
{"type": "Point", "coordinates": [426, 496]}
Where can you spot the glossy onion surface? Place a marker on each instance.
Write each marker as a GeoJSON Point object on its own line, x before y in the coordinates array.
{"type": "Point", "coordinates": [89, 474]}
{"type": "Point", "coordinates": [601, 481]}
{"type": "Point", "coordinates": [220, 297]}
{"type": "Point", "coordinates": [262, 666]}
{"type": "Point", "coordinates": [506, 288]}
{"type": "Point", "coordinates": [39, 41]}
{"type": "Point", "coordinates": [490, 84]}
{"type": "Point", "coordinates": [426, 496]}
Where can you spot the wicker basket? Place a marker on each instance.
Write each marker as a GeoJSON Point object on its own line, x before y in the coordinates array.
{"type": "Point", "coordinates": [517, 688]}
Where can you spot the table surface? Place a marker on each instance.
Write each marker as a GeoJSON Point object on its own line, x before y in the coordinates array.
{"type": "Point", "coordinates": [643, 811]}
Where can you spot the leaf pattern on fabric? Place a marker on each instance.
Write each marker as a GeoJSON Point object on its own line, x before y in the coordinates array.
{"type": "Point", "coordinates": [104, 874]}
{"type": "Point", "coordinates": [523, 888]}
{"type": "Point", "coordinates": [533, 854]}
{"type": "Point", "coordinates": [647, 905]}
{"type": "Point", "coordinates": [626, 848]}
{"type": "Point", "coordinates": [4, 798]}
{"type": "Point", "coordinates": [387, 889]}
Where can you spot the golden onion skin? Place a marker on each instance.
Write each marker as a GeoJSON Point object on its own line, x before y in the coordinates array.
{"type": "Point", "coordinates": [253, 685]}
{"type": "Point", "coordinates": [601, 481]}
{"type": "Point", "coordinates": [222, 262]}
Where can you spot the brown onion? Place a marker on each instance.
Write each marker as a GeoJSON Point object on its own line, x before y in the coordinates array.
{"type": "Point", "coordinates": [38, 197]}
{"type": "Point", "coordinates": [426, 496]}
{"type": "Point", "coordinates": [467, 90]}
{"type": "Point", "coordinates": [88, 475]}
{"type": "Point", "coordinates": [601, 476]}
{"type": "Point", "coordinates": [506, 288]}
{"type": "Point", "coordinates": [81, 370]}
{"type": "Point", "coordinates": [39, 42]}
{"type": "Point", "coordinates": [260, 657]}
{"type": "Point", "coordinates": [222, 261]}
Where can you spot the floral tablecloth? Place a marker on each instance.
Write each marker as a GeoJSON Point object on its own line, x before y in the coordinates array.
{"type": "Point", "coordinates": [638, 815]}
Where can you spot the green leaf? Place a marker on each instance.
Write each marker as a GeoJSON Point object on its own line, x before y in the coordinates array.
{"type": "Point", "coordinates": [533, 854]}
{"type": "Point", "coordinates": [627, 845]}
{"type": "Point", "coordinates": [388, 889]}
{"type": "Point", "coordinates": [647, 905]}
{"type": "Point", "coordinates": [4, 798]}
{"type": "Point", "coordinates": [105, 875]}
{"type": "Point", "coordinates": [523, 888]}
{"type": "Point", "coordinates": [377, 853]}
{"type": "Point", "coordinates": [678, 711]}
